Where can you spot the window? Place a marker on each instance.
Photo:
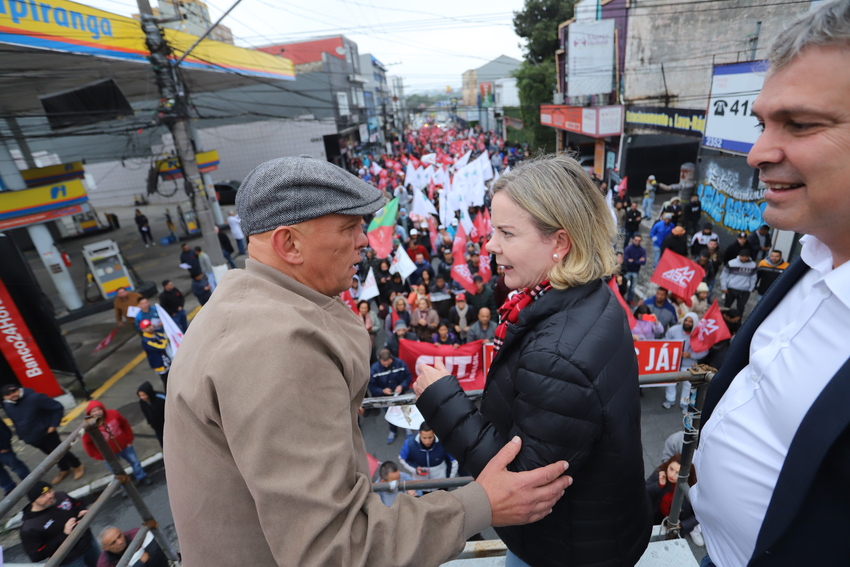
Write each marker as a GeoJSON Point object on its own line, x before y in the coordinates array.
{"type": "Point", "coordinates": [342, 103]}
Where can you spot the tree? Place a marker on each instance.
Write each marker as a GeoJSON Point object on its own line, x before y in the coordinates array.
{"type": "Point", "coordinates": [537, 23]}
{"type": "Point", "coordinates": [535, 84]}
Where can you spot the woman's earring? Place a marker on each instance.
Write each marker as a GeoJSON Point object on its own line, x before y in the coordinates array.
{"type": "Point", "coordinates": [554, 256]}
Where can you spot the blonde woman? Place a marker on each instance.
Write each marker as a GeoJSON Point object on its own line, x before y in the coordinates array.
{"type": "Point", "coordinates": [564, 377]}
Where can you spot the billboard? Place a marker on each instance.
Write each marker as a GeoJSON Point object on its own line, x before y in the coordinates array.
{"type": "Point", "coordinates": [597, 121]}
{"type": "Point", "coordinates": [590, 58]}
{"type": "Point", "coordinates": [730, 123]}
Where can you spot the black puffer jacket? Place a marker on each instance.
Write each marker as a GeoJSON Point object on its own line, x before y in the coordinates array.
{"type": "Point", "coordinates": [565, 381]}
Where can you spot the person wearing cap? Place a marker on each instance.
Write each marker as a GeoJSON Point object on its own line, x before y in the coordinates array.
{"type": "Point", "coordinates": [414, 247]}
{"type": "Point", "coordinates": [461, 316]}
{"type": "Point", "coordinates": [483, 297]}
{"type": "Point", "coordinates": [699, 301]}
{"type": "Point", "coordinates": [700, 240]}
{"type": "Point", "coordinates": [649, 196]}
{"type": "Point", "coordinates": [659, 231]}
{"type": "Point", "coordinates": [155, 345]}
{"type": "Point", "coordinates": [400, 331]}
{"type": "Point", "coordinates": [389, 376]}
{"type": "Point", "coordinates": [677, 241]}
{"type": "Point", "coordinates": [733, 250]}
{"type": "Point", "coordinates": [48, 519]}
{"type": "Point", "coordinates": [564, 376]}
{"type": "Point", "coordinates": [738, 280]}
{"type": "Point", "coordinates": [118, 433]}
{"type": "Point", "coordinates": [280, 476]}
{"type": "Point", "coordinates": [172, 300]}
{"type": "Point", "coordinates": [36, 418]}
{"type": "Point", "coordinates": [704, 261]}
{"type": "Point", "coordinates": [674, 207]}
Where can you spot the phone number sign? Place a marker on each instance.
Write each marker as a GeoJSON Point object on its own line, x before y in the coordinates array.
{"type": "Point", "coordinates": [730, 123]}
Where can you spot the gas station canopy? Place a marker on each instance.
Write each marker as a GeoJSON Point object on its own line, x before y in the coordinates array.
{"type": "Point", "coordinates": [56, 46]}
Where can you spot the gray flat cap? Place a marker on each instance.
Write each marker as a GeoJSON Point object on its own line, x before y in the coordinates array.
{"type": "Point", "coordinates": [290, 190]}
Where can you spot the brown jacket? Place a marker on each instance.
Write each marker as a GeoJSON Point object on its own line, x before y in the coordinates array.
{"type": "Point", "coordinates": [121, 305]}
{"type": "Point", "coordinates": [265, 461]}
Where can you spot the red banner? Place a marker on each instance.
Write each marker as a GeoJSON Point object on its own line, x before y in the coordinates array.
{"type": "Point", "coordinates": [678, 275]}
{"type": "Point", "coordinates": [465, 362]}
{"type": "Point", "coordinates": [711, 330]}
{"type": "Point", "coordinates": [656, 357]}
{"type": "Point", "coordinates": [348, 300]}
{"type": "Point", "coordinates": [21, 351]}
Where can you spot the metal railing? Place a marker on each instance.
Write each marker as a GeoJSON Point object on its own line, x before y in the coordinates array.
{"type": "Point", "coordinates": [698, 375]}
{"type": "Point", "coordinates": [91, 425]}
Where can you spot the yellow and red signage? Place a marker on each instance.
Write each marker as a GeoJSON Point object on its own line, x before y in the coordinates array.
{"type": "Point", "coordinates": [60, 25]}
{"type": "Point", "coordinates": [40, 204]}
{"type": "Point", "coordinates": [39, 176]}
{"type": "Point", "coordinates": [171, 168]}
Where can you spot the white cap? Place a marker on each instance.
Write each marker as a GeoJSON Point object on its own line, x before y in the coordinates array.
{"type": "Point", "coordinates": [413, 231]}
{"type": "Point", "coordinates": [651, 178]}
{"type": "Point", "coordinates": [424, 224]}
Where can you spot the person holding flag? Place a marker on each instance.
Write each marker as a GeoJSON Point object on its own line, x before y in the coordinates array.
{"type": "Point", "coordinates": [382, 229]}
{"type": "Point", "coordinates": [155, 345]}
{"type": "Point", "coordinates": [565, 378]}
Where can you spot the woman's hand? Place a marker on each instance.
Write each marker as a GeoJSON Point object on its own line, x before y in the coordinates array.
{"type": "Point", "coordinates": [427, 376]}
{"type": "Point", "coordinates": [662, 478]}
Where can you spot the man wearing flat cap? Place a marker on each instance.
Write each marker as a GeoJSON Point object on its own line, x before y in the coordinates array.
{"type": "Point", "coordinates": [280, 477]}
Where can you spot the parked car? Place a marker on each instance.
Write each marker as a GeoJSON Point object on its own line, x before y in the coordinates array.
{"type": "Point", "coordinates": [225, 191]}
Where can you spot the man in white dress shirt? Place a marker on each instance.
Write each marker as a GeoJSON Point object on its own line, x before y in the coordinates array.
{"type": "Point", "coordinates": [774, 453]}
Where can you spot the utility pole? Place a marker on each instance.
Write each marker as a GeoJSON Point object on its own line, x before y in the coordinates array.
{"type": "Point", "coordinates": [174, 112]}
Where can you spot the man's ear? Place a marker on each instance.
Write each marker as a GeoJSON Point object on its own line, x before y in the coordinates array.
{"type": "Point", "coordinates": [286, 245]}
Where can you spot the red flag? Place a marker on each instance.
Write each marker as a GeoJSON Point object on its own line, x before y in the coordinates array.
{"type": "Point", "coordinates": [621, 188]}
{"type": "Point", "coordinates": [480, 226]}
{"type": "Point", "coordinates": [373, 465]}
{"type": "Point", "coordinates": [460, 271]}
{"type": "Point", "coordinates": [348, 300]}
{"type": "Point", "coordinates": [488, 225]}
{"type": "Point", "coordinates": [465, 362]}
{"type": "Point", "coordinates": [416, 163]}
{"type": "Point", "coordinates": [612, 283]}
{"type": "Point", "coordinates": [678, 275]}
{"type": "Point", "coordinates": [484, 265]}
{"type": "Point", "coordinates": [711, 330]}
{"type": "Point", "coordinates": [108, 339]}
{"type": "Point", "coordinates": [432, 229]}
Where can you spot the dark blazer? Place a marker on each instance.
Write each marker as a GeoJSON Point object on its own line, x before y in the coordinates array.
{"type": "Point", "coordinates": [565, 381]}
{"type": "Point", "coordinates": [809, 513]}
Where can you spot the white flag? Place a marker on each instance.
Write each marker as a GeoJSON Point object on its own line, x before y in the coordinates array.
{"type": "Point", "coordinates": [171, 330]}
{"type": "Point", "coordinates": [429, 158]}
{"type": "Point", "coordinates": [463, 160]}
{"type": "Point", "coordinates": [402, 264]}
{"type": "Point", "coordinates": [375, 168]}
{"type": "Point", "coordinates": [444, 207]}
{"type": "Point", "coordinates": [409, 173]}
{"type": "Point", "coordinates": [421, 205]}
{"type": "Point", "coordinates": [609, 200]}
{"type": "Point", "coordinates": [465, 221]}
{"type": "Point", "coordinates": [370, 287]}
{"type": "Point", "coordinates": [485, 166]}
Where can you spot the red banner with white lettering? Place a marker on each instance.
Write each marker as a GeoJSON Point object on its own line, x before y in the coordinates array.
{"type": "Point", "coordinates": [657, 357]}
{"type": "Point", "coordinates": [21, 351]}
{"type": "Point", "coordinates": [678, 275]}
{"type": "Point", "coordinates": [711, 330]}
{"type": "Point", "coordinates": [465, 362]}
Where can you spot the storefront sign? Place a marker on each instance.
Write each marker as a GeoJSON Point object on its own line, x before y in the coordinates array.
{"type": "Point", "coordinates": [590, 58]}
{"type": "Point", "coordinates": [730, 122]}
{"type": "Point", "coordinates": [21, 351]}
{"type": "Point", "coordinates": [725, 191]}
{"type": "Point", "coordinates": [683, 121]}
{"type": "Point", "coordinates": [596, 121]}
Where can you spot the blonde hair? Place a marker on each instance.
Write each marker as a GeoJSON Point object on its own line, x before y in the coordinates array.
{"type": "Point", "coordinates": [558, 194]}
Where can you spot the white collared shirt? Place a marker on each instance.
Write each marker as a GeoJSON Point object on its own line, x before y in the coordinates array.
{"type": "Point", "coordinates": [794, 353]}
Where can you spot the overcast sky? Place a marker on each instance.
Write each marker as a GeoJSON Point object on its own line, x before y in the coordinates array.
{"type": "Point", "coordinates": [430, 43]}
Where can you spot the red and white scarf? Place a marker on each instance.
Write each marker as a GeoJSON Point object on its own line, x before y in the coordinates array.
{"type": "Point", "coordinates": [509, 312]}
